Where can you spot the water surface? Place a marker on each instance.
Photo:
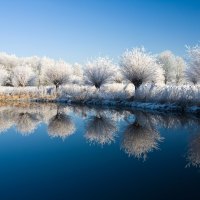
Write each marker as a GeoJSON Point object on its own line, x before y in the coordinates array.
{"type": "Point", "coordinates": [50, 151]}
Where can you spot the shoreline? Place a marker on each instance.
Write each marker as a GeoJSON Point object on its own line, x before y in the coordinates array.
{"type": "Point", "coordinates": [121, 104]}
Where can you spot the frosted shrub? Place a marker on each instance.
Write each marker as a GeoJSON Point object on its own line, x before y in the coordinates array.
{"type": "Point", "coordinates": [99, 71]}
{"type": "Point", "coordinates": [77, 92]}
{"type": "Point", "coordinates": [140, 67]}
{"type": "Point", "coordinates": [116, 91]}
{"type": "Point", "coordinates": [23, 76]}
{"type": "Point", "coordinates": [183, 94]}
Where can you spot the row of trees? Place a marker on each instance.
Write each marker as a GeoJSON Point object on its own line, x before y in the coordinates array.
{"type": "Point", "coordinates": [136, 66]}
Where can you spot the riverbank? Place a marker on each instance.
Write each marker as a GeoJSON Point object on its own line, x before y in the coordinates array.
{"type": "Point", "coordinates": [182, 99]}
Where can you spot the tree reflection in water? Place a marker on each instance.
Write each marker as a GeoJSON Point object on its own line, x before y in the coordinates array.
{"type": "Point", "coordinates": [139, 140]}
{"type": "Point", "coordinates": [101, 129]}
{"type": "Point", "coordinates": [193, 153]}
{"type": "Point", "coordinates": [6, 121]}
{"type": "Point", "coordinates": [61, 125]}
{"type": "Point", "coordinates": [26, 123]}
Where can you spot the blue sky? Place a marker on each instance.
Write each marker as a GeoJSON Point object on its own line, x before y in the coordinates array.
{"type": "Point", "coordinates": [76, 30]}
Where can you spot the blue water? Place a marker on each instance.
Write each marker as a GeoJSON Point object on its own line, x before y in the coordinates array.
{"type": "Point", "coordinates": [52, 151]}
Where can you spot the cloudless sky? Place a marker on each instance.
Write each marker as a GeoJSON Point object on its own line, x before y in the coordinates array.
{"type": "Point", "coordinates": [76, 30]}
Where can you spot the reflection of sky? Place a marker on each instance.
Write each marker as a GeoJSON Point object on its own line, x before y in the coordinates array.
{"type": "Point", "coordinates": [76, 30]}
{"type": "Point", "coordinates": [38, 165]}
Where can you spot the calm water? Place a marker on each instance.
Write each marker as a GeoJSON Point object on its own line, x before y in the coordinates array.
{"type": "Point", "coordinates": [50, 151]}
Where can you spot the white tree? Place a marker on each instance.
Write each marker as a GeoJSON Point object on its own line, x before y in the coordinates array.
{"type": "Point", "coordinates": [57, 73]}
{"type": "Point", "coordinates": [9, 61]}
{"type": "Point", "coordinates": [140, 67]}
{"type": "Point", "coordinates": [173, 67]}
{"type": "Point", "coordinates": [77, 75]}
{"type": "Point", "coordinates": [3, 75]}
{"type": "Point", "coordinates": [23, 76]}
{"type": "Point", "coordinates": [192, 72]}
{"type": "Point", "coordinates": [168, 61]}
{"type": "Point", "coordinates": [180, 67]}
{"type": "Point", "coordinates": [99, 71]}
{"type": "Point", "coordinates": [35, 63]}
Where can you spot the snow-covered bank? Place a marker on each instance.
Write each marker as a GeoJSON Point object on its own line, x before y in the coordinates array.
{"type": "Point", "coordinates": [165, 98]}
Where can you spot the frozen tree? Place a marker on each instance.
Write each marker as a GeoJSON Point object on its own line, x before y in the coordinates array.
{"type": "Point", "coordinates": [138, 140]}
{"type": "Point", "coordinates": [168, 61]}
{"type": "Point", "coordinates": [140, 67]}
{"type": "Point", "coordinates": [23, 76]}
{"type": "Point", "coordinates": [57, 73]}
{"type": "Point", "coordinates": [77, 69]}
{"type": "Point", "coordinates": [35, 63]}
{"type": "Point", "coordinates": [77, 75]}
{"type": "Point", "coordinates": [99, 71]}
{"type": "Point", "coordinates": [9, 61]}
{"type": "Point", "coordinates": [192, 72]}
{"type": "Point", "coordinates": [3, 75]}
{"type": "Point", "coordinates": [101, 129]}
{"type": "Point", "coordinates": [61, 125]}
{"type": "Point", "coordinates": [173, 67]}
{"type": "Point", "coordinates": [45, 64]}
{"type": "Point", "coordinates": [180, 67]}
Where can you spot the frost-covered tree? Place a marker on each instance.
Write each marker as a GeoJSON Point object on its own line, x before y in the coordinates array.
{"type": "Point", "coordinates": [3, 75]}
{"type": "Point", "coordinates": [35, 63]}
{"type": "Point", "coordinates": [168, 61]}
{"type": "Point", "coordinates": [99, 71]}
{"type": "Point", "coordinates": [139, 66]}
{"type": "Point", "coordinates": [57, 73]}
{"type": "Point", "coordinates": [77, 74]}
{"type": "Point", "coordinates": [9, 60]}
{"type": "Point", "coordinates": [173, 67]}
{"type": "Point", "coordinates": [192, 72]}
{"type": "Point", "coordinates": [23, 76]}
{"type": "Point", "coordinates": [180, 67]}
